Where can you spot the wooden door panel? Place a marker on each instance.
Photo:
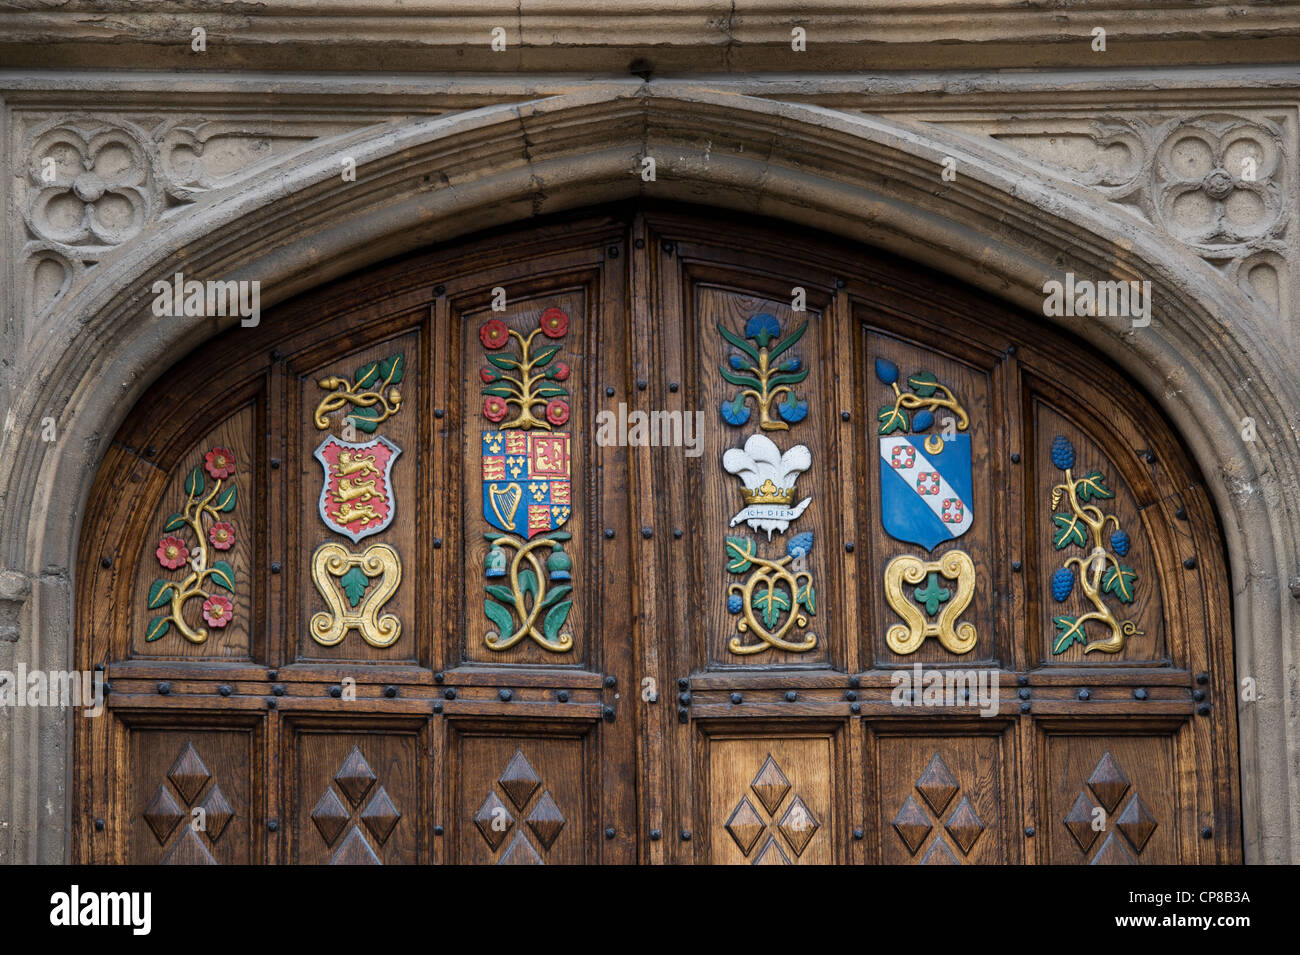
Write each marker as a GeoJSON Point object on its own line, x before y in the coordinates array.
{"type": "Point", "coordinates": [391, 497]}
{"type": "Point", "coordinates": [969, 380]}
{"type": "Point", "coordinates": [771, 800]}
{"type": "Point", "coordinates": [358, 792]}
{"type": "Point", "coordinates": [193, 797]}
{"type": "Point", "coordinates": [522, 799]}
{"type": "Point", "coordinates": [1117, 800]}
{"type": "Point", "coordinates": [942, 794]}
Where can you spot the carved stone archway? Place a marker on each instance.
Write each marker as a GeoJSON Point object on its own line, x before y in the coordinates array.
{"type": "Point", "coordinates": [1002, 225]}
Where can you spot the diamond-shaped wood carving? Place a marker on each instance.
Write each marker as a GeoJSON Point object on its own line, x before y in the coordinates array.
{"type": "Point", "coordinates": [546, 820]}
{"type": "Point", "coordinates": [964, 825]}
{"type": "Point", "coordinates": [1137, 823]}
{"type": "Point", "coordinates": [520, 852]}
{"type": "Point", "coordinates": [912, 824]}
{"type": "Point", "coordinates": [188, 774]}
{"type": "Point", "coordinates": [188, 850]}
{"type": "Point", "coordinates": [798, 825]}
{"type": "Point", "coordinates": [492, 811]}
{"type": "Point", "coordinates": [330, 816]}
{"type": "Point", "coordinates": [380, 816]}
{"type": "Point", "coordinates": [745, 825]}
{"type": "Point", "coordinates": [519, 780]}
{"type": "Point", "coordinates": [940, 854]}
{"type": "Point", "coordinates": [216, 813]}
{"type": "Point", "coordinates": [1079, 821]}
{"type": "Point", "coordinates": [936, 784]}
{"type": "Point", "coordinates": [772, 854]}
{"type": "Point", "coordinates": [355, 851]}
{"type": "Point", "coordinates": [162, 814]}
{"type": "Point", "coordinates": [770, 785]}
{"type": "Point", "coordinates": [355, 777]}
{"type": "Point", "coordinates": [1113, 853]}
{"type": "Point", "coordinates": [1108, 782]}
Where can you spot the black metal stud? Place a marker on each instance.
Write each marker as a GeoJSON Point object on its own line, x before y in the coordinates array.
{"type": "Point", "coordinates": [684, 698]}
{"type": "Point", "coordinates": [1022, 680]}
{"type": "Point", "coordinates": [223, 690]}
{"type": "Point", "coordinates": [683, 715]}
{"type": "Point", "coordinates": [855, 708]}
{"type": "Point", "coordinates": [562, 696]}
{"type": "Point", "coordinates": [672, 386]}
{"type": "Point", "coordinates": [1207, 833]}
{"type": "Point", "coordinates": [275, 464]}
{"type": "Point", "coordinates": [639, 243]}
{"type": "Point", "coordinates": [99, 825]}
{"type": "Point", "coordinates": [610, 682]}
{"type": "Point", "coordinates": [1198, 696]}
{"type": "Point", "coordinates": [609, 533]}
{"type": "Point", "coordinates": [608, 713]}
{"type": "Point", "coordinates": [390, 691]}
{"type": "Point", "coordinates": [1181, 513]}
{"type": "Point", "coordinates": [271, 703]}
{"type": "Point", "coordinates": [164, 688]}
{"type": "Point", "coordinates": [791, 696]}
{"type": "Point", "coordinates": [1016, 565]}
{"type": "Point", "coordinates": [1025, 707]}
{"type": "Point", "coordinates": [275, 566]}
{"type": "Point", "coordinates": [1203, 709]}
{"type": "Point", "coordinates": [336, 691]}
{"type": "Point", "coordinates": [612, 252]}
{"type": "Point", "coordinates": [848, 547]}
{"type": "Point", "coordinates": [278, 689]}
{"type": "Point", "coordinates": [668, 246]}
{"type": "Point", "coordinates": [655, 835]}
{"type": "Point", "coordinates": [273, 675]}
{"type": "Point", "coordinates": [449, 693]}
{"type": "Point", "coordinates": [737, 699]}
{"type": "Point", "coordinates": [438, 412]}
{"type": "Point", "coordinates": [437, 543]}
{"type": "Point", "coordinates": [1190, 563]}
{"type": "Point", "coordinates": [437, 706]}
{"type": "Point", "coordinates": [677, 532]}
{"type": "Point", "coordinates": [683, 683]}
{"type": "Point", "coordinates": [272, 825]}
{"type": "Point", "coordinates": [859, 833]}
{"type": "Point", "coordinates": [1023, 693]}
{"type": "Point", "coordinates": [855, 682]}
{"type": "Point", "coordinates": [850, 695]}
{"type": "Point", "coordinates": [641, 384]}
{"type": "Point", "coordinates": [845, 416]}
{"type": "Point", "coordinates": [1015, 457]}
{"type": "Point", "coordinates": [839, 283]}
{"type": "Point", "coordinates": [1140, 693]}
{"type": "Point", "coordinates": [647, 532]}
{"type": "Point", "coordinates": [1202, 679]}
{"type": "Point", "coordinates": [438, 830]}
{"type": "Point", "coordinates": [505, 695]}
{"type": "Point", "coordinates": [106, 562]}
{"type": "Point", "coordinates": [609, 392]}
{"type": "Point", "coordinates": [438, 677]}
{"type": "Point", "coordinates": [1084, 694]}
{"type": "Point", "coordinates": [1029, 831]}
{"type": "Point", "coordinates": [685, 835]}
{"type": "Point", "coordinates": [610, 832]}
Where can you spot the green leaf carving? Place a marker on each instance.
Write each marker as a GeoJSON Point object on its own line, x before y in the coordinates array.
{"type": "Point", "coordinates": [500, 617]}
{"type": "Point", "coordinates": [1092, 486]}
{"type": "Point", "coordinates": [740, 343]}
{"type": "Point", "coordinates": [1120, 580]}
{"type": "Point", "coordinates": [223, 575]}
{"type": "Point", "coordinates": [786, 342]}
{"type": "Point", "coordinates": [504, 361]}
{"type": "Point", "coordinates": [924, 383]}
{"type": "Point", "coordinates": [225, 501]}
{"type": "Point", "coordinates": [739, 552]}
{"type": "Point", "coordinates": [160, 593]}
{"type": "Point", "coordinates": [554, 594]}
{"type": "Point", "coordinates": [175, 522]}
{"type": "Point", "coordinates": [1071, 631]}
{"type": "Point", "coordinates": [555, 618]}
{"type": "Point", "coordinates": [503, 594]}
{"type": "Point", "coordinates": [1070, 531]}
{"type": "Point", "coordinates": [527, 582]}
{"type": "Point", "coordinates": [932, 595]}
{"type": "Point", "coordinates": [740, 381]}
{"type": "Point", "coordinates": [770, 602]}
{"type": "Point", "coordinates": [391, 369]}
{"type": "Point", "coordinates": [549, 391]}
{"type": "Point", "coordinates": [807, 598]}
{"type": "Point", "coordinates": [544, 356]}
{"type": "Point", "coordinates": [366, 419]}
{"type": "Point", "coordinates": [194, 483]}
{"type": "Point", "coordinates": [354, 584]}
{"type": "Point", "coordinates": [367, 374]}
{"type": "Point", "coordinates": [501, 391]}
{"type": "Point", "coordinates": [158, 626]}
{"type": "Point", "coordinates": [892, 419]}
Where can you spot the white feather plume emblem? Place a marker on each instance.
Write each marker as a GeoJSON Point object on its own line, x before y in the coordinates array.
{"type": "Point", "coordinates": [769, 478]}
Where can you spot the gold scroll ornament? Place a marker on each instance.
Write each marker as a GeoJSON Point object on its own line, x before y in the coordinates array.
{"type": "Point", "coordinates": [332, 560]}
{"type": "Point", "coordinates": [955, 637]}
{"type": "Point", "coordinates": [770, 574]}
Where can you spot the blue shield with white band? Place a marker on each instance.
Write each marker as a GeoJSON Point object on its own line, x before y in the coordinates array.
{"type": "Point", "coordinates": [925, 497]}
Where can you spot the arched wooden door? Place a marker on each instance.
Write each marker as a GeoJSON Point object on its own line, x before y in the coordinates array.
{"type": "Point", "coordinates": [661, 537]}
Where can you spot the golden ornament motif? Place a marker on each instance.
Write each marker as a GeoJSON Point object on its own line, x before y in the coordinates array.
{"type": "Point", "coordinates": [907, 637]}
{"type": "Point", "coordinates": [782, 595]}
{"type": "Point", "coordinates": [380, 561]}
{"type": "Point", "coordinates": [525, 582]}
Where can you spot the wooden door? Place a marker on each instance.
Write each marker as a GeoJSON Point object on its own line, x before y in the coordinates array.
{"type": "Point", "coordinates": [652, 536]}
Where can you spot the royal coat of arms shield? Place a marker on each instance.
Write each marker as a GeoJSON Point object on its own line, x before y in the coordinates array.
{"type": "Point", "coordinates": [357, 497]}
{"type": "Point", "coordinates": [925, 495]}
{"type": "Point", "coordinates": [526, 481]}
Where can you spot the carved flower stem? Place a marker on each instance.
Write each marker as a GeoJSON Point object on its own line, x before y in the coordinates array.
{"type": "Point", "coordinates": [191, 585]}
{"type": "Point", "coordinates": [770, 572]}
{"type": "Point", "coordinates": [524, 384]}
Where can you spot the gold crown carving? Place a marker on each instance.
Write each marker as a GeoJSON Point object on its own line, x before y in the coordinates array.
{"type": "Point", "coordinates": [769, 493]}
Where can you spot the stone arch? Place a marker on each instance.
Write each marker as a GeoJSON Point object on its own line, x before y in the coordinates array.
{"type": "Point", "coordinates": [1000, 226]}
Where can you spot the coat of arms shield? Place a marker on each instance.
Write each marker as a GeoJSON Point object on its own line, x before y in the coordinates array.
{"type": "Point", "coordinates": [526, 481]}
{"type": "Point", "coordinates": [925, 495]}
{"type": "Point", "coordinates": [357, 497]}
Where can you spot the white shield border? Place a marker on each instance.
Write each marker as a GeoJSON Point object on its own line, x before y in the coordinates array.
{"type": "Point", "coordinates": [325, 484]}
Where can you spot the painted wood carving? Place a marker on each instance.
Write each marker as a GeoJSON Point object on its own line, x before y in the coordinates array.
{"type": "Point", "coordinates": [926, 498]}
{"type": "Point", "coordinates": [527, 485]}
{"type": "Point", "coordinates": [776, 596]}
{"type": "Point", "coordinates": [192, 539]}
{"type": "Point", "coordinates": [1083, 524]}
{"type": "Point", "coordinates": [356, 501]}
